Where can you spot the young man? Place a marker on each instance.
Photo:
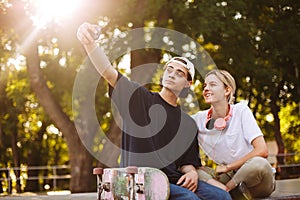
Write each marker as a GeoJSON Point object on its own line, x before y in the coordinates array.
{"type": "Point", "coordinates": [155, 132]}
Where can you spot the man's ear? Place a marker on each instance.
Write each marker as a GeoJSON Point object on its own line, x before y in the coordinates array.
{"type": "Point", "coordinates": [188, 84]}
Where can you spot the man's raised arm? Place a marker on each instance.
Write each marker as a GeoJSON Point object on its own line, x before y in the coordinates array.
{"type": "Point", "coordinates": [85, 35]}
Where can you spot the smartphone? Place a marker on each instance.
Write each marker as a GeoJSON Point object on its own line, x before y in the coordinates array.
{"type": "Point", "coordinates": [95, 35]}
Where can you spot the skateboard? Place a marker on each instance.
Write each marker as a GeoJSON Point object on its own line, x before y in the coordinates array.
{"type": "Point", "coordinates": [131, 183]}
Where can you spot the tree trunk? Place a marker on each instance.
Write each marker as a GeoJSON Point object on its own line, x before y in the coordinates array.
{"type": "Point", "coordinates": [298, 86]}
{"type": "Point", "coordinates": [16, 157]}
{"type": "Point", "coordinates": [142, 73]}
{"type": "Point", "coordinates": [109, 154]}
{"type": "Point", "coordinates": [4, 105]}
{"type": "Point", "coordinates": [277, 134]}
{"type": "Point", "coordinates": [80, 158]}
{"type": "Point", "coordinates": [35, 159]}
{"type": "Point", "coordinates": [144, 64]}
{"type": "Point", "coordinates": [1, 139]}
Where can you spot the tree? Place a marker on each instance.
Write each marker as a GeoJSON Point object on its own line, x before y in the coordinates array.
{"type": "Point", "coordinates": [80, 159]}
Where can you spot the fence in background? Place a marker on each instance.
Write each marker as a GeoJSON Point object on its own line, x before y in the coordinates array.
{"type": "Point", "coordinates": [291, 168]}
{"type": "Point", "coordinates": [53, 173]}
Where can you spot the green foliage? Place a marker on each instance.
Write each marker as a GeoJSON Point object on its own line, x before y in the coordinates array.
{"type": "Point", "coordinates": [22, 118]}
{"type": "Point", "coordinates": [30, 120]}
{"type": "Point", "coordinates": [290, 127]}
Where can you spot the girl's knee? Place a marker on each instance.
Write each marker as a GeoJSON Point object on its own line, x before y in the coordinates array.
{"type": "Point", "coordinates": [258, 162]}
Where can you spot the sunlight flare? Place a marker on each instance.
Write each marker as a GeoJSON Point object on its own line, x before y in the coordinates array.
{"type": "Point", "coordinates": [46, 11]}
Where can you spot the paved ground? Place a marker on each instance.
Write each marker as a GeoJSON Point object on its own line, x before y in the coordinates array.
{"type": "Point", "coordinates": [57, 196]}
{"type": "Point", "coordinates": [285, 190]}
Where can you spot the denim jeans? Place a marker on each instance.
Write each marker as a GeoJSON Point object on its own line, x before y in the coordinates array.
{"type": "Point", "coordinates": [204, 191]}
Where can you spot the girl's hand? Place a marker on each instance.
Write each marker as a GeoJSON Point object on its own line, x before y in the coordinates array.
{"type": "Point", "coordinates": [222, 169]}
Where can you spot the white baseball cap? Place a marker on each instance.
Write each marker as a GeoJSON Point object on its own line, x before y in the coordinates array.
{"type": "Point", "coordinates": [184, 62]}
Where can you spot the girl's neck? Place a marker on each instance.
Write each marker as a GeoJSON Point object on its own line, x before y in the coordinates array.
{"type": "Point", "coordinates": [220, 110]}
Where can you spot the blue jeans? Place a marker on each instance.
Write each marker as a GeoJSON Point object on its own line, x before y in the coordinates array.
{"type": "Point", "coordinates": [204, 191]}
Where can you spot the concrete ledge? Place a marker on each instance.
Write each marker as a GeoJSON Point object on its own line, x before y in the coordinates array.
{"type": "Point", "coordinates": [292, 197]}
{"type": "Point", "coordinates": [288, 189]}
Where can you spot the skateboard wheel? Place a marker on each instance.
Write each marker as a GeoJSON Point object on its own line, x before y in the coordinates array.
{"type": "Point", "coordinates": [97, 171]}
{"type": "Point", "coordinates": [140, 188]}
{"type": "Point", "coordinates": [106, 187]}
{"type": "Point", "coordinates": [131, 170]}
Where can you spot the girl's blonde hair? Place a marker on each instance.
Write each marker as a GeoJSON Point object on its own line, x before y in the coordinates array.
{"type": "Point", "coordinates": [228, 81]}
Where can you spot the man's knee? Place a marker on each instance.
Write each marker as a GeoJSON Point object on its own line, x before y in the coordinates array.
{"type": "Point", "coordinates": [180, 193]}
{"type": "Point", "coordinates": [207, 191]}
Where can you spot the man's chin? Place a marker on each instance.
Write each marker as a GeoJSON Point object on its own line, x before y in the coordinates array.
{"type": "Point", "coordinates": [171, 89]}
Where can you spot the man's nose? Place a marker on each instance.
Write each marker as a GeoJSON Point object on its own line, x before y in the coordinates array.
{"type": "Point", "coordinates": [172, 74]}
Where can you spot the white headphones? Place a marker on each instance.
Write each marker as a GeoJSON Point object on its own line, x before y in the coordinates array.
{"type": "Point", "coordinates": [219, 123]}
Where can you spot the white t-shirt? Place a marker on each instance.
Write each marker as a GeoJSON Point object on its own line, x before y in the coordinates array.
{"type": "Point", "coordinates": [234, 141]}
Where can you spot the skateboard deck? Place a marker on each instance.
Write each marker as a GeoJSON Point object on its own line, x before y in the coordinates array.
{"type": "Point", "coordinates": [132, 183]}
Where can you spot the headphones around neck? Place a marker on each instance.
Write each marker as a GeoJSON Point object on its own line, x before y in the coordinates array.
{"type": "Point", "coordinates": [219, 123]}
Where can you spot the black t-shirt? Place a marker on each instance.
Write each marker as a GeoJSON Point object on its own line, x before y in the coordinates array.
{"type": "Point", "coordinates": [154, 133]}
